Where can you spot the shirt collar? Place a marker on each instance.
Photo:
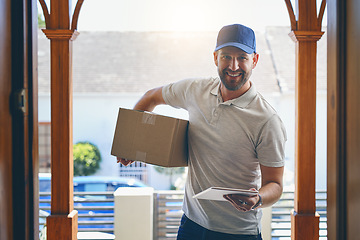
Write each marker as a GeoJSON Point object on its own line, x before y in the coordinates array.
{"type": "Point", "coordinates": [241, 101]}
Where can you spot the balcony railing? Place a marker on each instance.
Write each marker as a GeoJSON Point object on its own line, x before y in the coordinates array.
{"type": "Point", "coordinates": [96, 213]}
{"type": "Point", "coordinates": [95, 210]}
{"type": "Point", "coordinates": [167, 214]}
{"type": "Point", "coordinates": [281, 222]}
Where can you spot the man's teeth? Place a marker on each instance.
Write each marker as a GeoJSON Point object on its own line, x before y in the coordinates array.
{"type": "Point", "coordinates": [234, 74]}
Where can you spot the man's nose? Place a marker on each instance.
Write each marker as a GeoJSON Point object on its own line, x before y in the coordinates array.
{"type": "Point", "coordinates": [234, 64]}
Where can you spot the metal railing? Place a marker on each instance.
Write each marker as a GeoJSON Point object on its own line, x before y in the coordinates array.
{"type": "Point", "coordinates": [95, 210]}
{"type": "Point", "coordinates": [281, 220]}
{"type": "Point", "coordinates": [96, 213]}
{"type": "Point", "coordinates": [167, 215]}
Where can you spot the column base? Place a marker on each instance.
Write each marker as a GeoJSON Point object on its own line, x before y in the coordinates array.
{"type": "Point", "coordinates": [304, 226]}
{"type": "Point", "coordinates": [62, 226]}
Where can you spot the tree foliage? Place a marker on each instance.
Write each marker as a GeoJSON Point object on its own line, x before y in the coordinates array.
{"type": "Point", "coordinates": [86, 158]}
{"type": "Point", "coordinates": [41, 21]}
{"type": "Point", "coordinates": [171, 172]}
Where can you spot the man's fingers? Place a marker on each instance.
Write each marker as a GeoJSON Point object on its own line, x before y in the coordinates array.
{"type": "Point", "coordinates": [128, 162]}
{"type": "Point", "coordinates": [239, 204]}
{"type": "Point", "coordinates": [124, 162]}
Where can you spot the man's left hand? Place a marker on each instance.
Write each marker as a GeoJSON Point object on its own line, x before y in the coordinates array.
{"type": "Point", "coordinates": [241, 202]}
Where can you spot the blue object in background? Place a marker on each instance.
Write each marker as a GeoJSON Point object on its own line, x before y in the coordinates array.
{"type": "Point", "coordinates": [88, 204]}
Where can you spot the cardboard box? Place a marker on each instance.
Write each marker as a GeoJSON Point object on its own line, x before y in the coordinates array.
{"type": "Point", "coordinates": [150, 138]}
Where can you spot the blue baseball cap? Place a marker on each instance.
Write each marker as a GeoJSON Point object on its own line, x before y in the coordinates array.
{"type": "Point", "coordinates": [237, 35]}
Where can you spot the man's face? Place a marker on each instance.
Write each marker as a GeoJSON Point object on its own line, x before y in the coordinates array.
{"type": "Point", "coordinates": [234, 66]}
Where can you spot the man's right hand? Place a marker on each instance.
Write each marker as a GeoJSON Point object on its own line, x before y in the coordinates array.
{"type": "Point", "coordinates": [124, 162]}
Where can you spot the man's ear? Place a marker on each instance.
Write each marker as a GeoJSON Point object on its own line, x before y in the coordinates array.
{"type": "Point", "coordinates": [255, 59]}
{"type": "Point", "coordinates": [216, 58]}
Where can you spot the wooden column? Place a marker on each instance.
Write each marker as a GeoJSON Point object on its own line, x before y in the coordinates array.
{"type": "Point", "coordinates": [306, 31]}
{"type": "Point", "coordinates": [62, 223]}
{"type": "Point", "coordinates": [63, 219]}
{"type": "Point", "coordinates": [304, 219]}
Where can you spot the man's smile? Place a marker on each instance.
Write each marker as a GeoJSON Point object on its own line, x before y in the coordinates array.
{"type": "Point", "coordinates": [233, 74]}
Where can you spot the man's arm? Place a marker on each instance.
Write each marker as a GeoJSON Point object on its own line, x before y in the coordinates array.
{"type": "Point", "coordinates": [270, 191]}
{"type": "Point", "coordinates": [150, 100]}
{"type": "Point", "coordinates": [147, 102]}
{"type": "Point", "coordinates": [271, 184]}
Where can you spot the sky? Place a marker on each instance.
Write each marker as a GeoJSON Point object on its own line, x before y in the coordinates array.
{"type": "Point", "coordinates": [180, 15]}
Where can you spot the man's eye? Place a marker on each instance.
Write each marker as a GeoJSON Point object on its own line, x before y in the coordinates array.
{"type": "Point", "coordinates": [227, 57]}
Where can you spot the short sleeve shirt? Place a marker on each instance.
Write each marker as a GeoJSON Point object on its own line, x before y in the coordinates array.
{"type": "Point", "coordinates": [227, 142]}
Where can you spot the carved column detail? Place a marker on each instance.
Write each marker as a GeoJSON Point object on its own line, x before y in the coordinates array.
{"type": "Point", "coordinates": [62, 223]}
{"type": "Point", "coordinates": [306, 31]}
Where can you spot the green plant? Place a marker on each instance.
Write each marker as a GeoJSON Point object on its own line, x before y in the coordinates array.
{"type": "Point", "coordinates": [86, 158]}
{"type": "Point", "coordinates": [41, 21]}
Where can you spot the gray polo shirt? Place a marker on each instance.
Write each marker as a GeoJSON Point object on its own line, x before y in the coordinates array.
{"type": "Point", "coordinates": [227, 141]}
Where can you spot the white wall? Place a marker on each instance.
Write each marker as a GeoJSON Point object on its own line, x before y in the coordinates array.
{"type": "Point", "coordinates": [95, 118]}
{"type": "Point", "coordinates": [285, 106]}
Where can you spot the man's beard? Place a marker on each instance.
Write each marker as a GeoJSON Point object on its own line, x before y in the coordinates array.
{"type": "Point", "coordinates": [244, 78]}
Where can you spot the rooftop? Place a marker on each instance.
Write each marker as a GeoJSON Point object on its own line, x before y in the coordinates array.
{"type": "Point", "coordinates": [133, 62]}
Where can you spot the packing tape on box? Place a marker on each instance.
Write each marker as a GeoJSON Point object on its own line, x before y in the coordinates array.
{"type": "Point", "coordinates": [140, 156]}
{"type": "Point", "coordinates": [149, 119]}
